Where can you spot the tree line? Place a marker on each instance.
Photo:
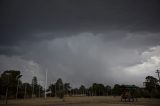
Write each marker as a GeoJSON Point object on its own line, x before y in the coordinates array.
{"type": "Point", "coordinates": [11, 86]}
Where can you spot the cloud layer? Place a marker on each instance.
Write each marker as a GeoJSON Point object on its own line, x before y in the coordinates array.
{"type": "Point", "coordinates": [81, 41]}
{"type": "Point", "coordinates": [86, 58]}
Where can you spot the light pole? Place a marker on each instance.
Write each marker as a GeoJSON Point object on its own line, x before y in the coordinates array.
{"type": "Point", "coordinates": [17, 78]}
{"type": "Point", "coordinates": [50, 90]}
{"type": "Point", "coordinates": [40, 83]}
{"type": "Point", "coordinates": [39, 91]}
{"type": "Point", "coordinates": [158, 72]}
{"type": "Point", "coordinates": [63, 89]}
{"type": "Point", "coordinates": [45, 86]}
{"type": "Point", "coordinates": [55, 90]}
{"type": "Point", "coordinates": [7, 95]}
{"type": "Point", "coordinates": [25, 91]}
{"type": "Point", "coordinates": [32, 88]}
{"type": "Point", "coordinates": [7, 87]}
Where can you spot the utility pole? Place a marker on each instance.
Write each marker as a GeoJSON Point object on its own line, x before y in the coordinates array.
{"type": "Point", "coordinates": [63, 89]}
{"type": "Point", "coordinates": [46, 86]}
{"type": "Point", "coordinates": [40, 88]}
{"type": "Point", "coordinates": [50, 92]}
{"type": "Point", "coordinates": [39, 92]}
{"type": "Point", "coordinates": [158, 72]}
{"type": "Point", "coordinates": [32, 89]}
{"type": "Point", "coordinates": [55, 91]}
{"type": "Point", "coordinates": [25, 91]}
{"type": "Point", "coordinates": [17, 78]}
{"type": "Point", "coordinates": [6, 95]}
{"type": "Point", "coordinates": [6, 98]}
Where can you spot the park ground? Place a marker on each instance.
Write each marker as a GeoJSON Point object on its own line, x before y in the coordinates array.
{"type": "Point", "coordinates": [81, 101]}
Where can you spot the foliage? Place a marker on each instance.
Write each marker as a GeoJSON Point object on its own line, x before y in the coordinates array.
{"type": "Point", "coordinates": [152, 88]}
{"type": "Point", "coordinates": [36, 89]}
{"type": "Point", "coordinates": [108, 90]}
{"type": "Point", "coordinates": [82, 89]}
{"type": "Point", "coordinates": [97, 89]}
{"type": "Point", "coordinates": [117, 89]}
{"type": "Point", "coordinates": [151, 83]}
{"type": "Point", "coordinates": [67, 87]}
{"type": "Point", "coordinates": [60, 88]}
{"type": "Point", "coordinates": [9, 80]}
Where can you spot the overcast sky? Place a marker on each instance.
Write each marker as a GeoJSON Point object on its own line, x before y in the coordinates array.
{"type": "Point", "coordinates": [81, 41]}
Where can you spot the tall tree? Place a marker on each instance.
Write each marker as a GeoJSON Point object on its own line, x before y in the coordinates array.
{"type": "Point", "coordinates": [27, 89]}
{"type": "Point", "coordinates": [117, 89]}
{"type": "Point", "coordinates": [34, 86]}
{"type": "Point", "coordinates": [60, 88]}
{"type": "Point", "coordinates": [67, 87]}
{"type": "Point", "coordinates": [97, 89]}
{"type": "Point", "coordinates": [82, 89]}
{"type": "Point", "coordinates": [9, 81]}
{"type": "Point", "coordinates": [151, 83]}
{"type": "Point", "coordinates": [52, 87]}
{"type": "Point", "coordinates": [108, 90]}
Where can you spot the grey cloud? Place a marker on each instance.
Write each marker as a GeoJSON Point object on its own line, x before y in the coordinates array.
{"type": "Point", "coordinates": [22, 19]}
{"type": "Point", "coordinates": [82, 59]}
{"type": "Point", "coordinates": [50, 35]}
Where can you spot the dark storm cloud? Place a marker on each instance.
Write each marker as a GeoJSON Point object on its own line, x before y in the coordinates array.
{"type": "Point", "coordinates": [76, 39]}
{"type": "Point", "coordinates": [21, 19]}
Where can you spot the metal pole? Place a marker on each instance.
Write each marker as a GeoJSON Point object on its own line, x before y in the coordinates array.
{"type": "Point", "coordinates": [25, 91]}
{"type": "Point", "coordinates": [17, 89]}
{"type": "Point", "coordinates": [58, 87]}
{"type": "Point", "coordinates": [63, 89]}
{"type": "Point", "coordinates": [55, 90]}
{"type": "Point", "coordinates": [32, 88]}
{"type": "Point", "coordinates": [111, 91]}
{"type": "Point", "coordinates": [6, 95]}
{"type": "Point", "coordinates": [39, 90]}
{"type": "Point", "coordinates": [158, 72]}
{"type": "Point", "coordinates": [7, 91]}
{"type": "Point", "coordinates": [73, 92]}
{"type": "Point", "coordinates": [46, 85]}
{"type": "Point", "coordinates": [50, 92]}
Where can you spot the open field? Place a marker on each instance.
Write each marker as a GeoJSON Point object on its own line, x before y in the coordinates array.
{"type": "Point", "coordinates": [82, 101]}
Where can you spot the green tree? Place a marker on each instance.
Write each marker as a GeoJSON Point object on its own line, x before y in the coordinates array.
{"type": "Point", "coordinates": [151, 83]}
{"type": "Point", "coordinates": [60, 88]}
{"type": "Point", "coordinates": [27, 90]}
{"type": "Point", "coordinates": [82, 89]}
{"type": "Point", "coordinates": [108, 90]}
{"type": "Point", "coordinates": [117, 89]}
{"type": "Point", "coordinates": [35, 88]}
{"type": "Point", "coordinates": [97, 89]}
{"type": "Point", "coordinates": [52, 87]}
{"type": "Point", "coordinates": [9, 81]}
{"type": "Point", "coordinates": [67, 87]}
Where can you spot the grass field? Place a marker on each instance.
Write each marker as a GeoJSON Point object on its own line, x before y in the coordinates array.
{"type": "Point", "coordinates": [81, 101]}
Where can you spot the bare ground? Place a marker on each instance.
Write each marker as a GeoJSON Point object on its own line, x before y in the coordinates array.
{"type": "Point", "coordinates": [81, 101]}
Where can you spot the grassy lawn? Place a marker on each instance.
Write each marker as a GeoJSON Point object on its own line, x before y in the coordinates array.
{"type": "Point", "coordinates": [81, 101]}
